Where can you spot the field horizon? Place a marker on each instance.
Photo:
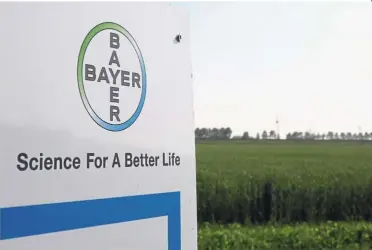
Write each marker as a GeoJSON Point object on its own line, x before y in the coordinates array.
{"type": "Point", "coordinates": [275, 183]}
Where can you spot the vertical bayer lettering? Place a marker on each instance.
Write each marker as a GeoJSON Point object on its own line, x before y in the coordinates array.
{"type": "Point", "coordinates": [114, 91]}
{"type": "Point", "coordinates": [114, 41]}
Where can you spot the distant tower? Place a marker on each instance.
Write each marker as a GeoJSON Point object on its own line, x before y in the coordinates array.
{"type": "Point", "coordinates": [277, 128]}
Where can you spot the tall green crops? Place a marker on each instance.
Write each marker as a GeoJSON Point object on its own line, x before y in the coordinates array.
{"type": "Point", "coordinates": [283, 182]}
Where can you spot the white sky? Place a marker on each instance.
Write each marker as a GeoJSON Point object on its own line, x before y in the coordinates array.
{"type": "Point", "coordinates": [308, 63]}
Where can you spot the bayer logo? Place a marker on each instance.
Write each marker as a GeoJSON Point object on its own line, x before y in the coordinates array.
{"type": "Point", "coordinates": [111, 77]}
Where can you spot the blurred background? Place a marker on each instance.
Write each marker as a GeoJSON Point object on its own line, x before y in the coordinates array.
{"type": "Point", "coordinates": [283, 124]}
{"type": "Point", "coordinates": [307, 64]}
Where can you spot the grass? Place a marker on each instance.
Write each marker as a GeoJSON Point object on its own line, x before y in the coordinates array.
{"type": "Point", "coordinates": [284, 182]}
{"type": "Point", "coordinates": [268, 188]}
{"type": "Point", "coordinates": [327, 236]}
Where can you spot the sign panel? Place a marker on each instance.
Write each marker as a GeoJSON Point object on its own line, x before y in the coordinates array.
{"type": "Point", "coordinates": [97, 143]}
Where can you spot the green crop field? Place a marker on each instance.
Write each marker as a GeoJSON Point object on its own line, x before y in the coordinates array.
{"type": "Point", "coordinates": [327, 236]}
{"type": "Point", "coordinates": [281, 183]}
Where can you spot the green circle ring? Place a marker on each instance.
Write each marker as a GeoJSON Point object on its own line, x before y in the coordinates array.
{"type": "Point", "coordinates": [92, 33]}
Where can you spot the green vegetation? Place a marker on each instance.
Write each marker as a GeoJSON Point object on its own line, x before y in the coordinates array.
{"type": "Point", "coordinates": [283, 183]}
{"type": "Point", "coordinates": [346, 236]}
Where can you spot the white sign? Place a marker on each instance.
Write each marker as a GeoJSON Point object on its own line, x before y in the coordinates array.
{"type": "Point", "coordinates": [97, 143]}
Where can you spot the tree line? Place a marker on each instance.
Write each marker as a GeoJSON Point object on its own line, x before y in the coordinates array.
{"type": "Point", "coordinates": [226, 134]}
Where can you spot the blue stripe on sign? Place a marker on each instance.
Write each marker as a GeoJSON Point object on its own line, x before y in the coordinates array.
{"type": "Point", "coordinates": [16, 222]}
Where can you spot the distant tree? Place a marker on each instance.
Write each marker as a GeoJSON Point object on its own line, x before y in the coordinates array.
{"type": "Point", "coordinates": [349, 136]}
{"type": "Point", "coordinates": [355, 136]}
{"type": "Point", "coordinates": [197, 133]}
{"type": "Point", "coordinates": [213, 133]}
{"type": "Point", "coordinates": [272, 135]}
{"type": "Point", "coordinates": [245, 136]}
{"type": "Point", "coordinates": [300, 135]}
{"type": "Point", "coordinates": [264, 135]}
{"type": "Point", "coordinates": [323, 136]}
{"type": "Point", "coordinates": [312, 136]}
{"type": "Point", "coordinates": [366, 136]}
{"type": "Point", "coordinates": [295, 135]}
{"type": "Point", "coordinates": [343, 136]}
{"type": "Point", "coordinates": [221, 134]}
{"type": "Point", "coordinates": [330, 135]}
{"type": "Point", "coordinates": [318, 136]}
{"type": "Point", "coordinates": [203, 133]}
{"type": "Point", "coordinates": [227, 133]}
{"type": "Point", "coordinates": [336, 136]}
{"type": "Point", "coordinates": [289, 136]}
{"type": "Point", "coordinates": [360, 136]}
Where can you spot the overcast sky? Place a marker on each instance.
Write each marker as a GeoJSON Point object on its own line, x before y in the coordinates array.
{"type": "Point", "coordinates": [308, 63]}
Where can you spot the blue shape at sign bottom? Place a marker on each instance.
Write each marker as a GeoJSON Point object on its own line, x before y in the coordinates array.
{"type": "Point", "coordinates": [17, 222]}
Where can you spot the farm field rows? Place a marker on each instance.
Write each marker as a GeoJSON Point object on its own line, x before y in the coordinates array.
{"type": "Point", "coordinates": [283, 183]}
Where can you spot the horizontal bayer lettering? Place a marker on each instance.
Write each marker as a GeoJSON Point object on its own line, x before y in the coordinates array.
{"type": "Point", "coordinates": [111, 76]}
